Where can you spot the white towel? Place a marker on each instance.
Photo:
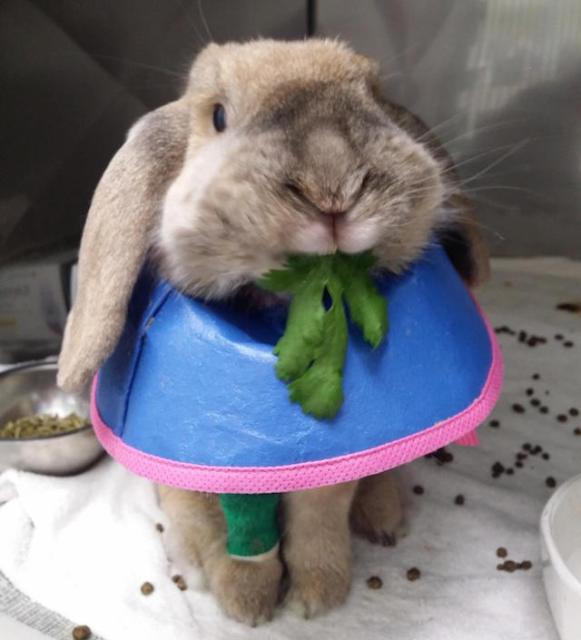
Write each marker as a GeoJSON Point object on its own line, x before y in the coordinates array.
{"type": "Point", "coordinates": [83, 546]}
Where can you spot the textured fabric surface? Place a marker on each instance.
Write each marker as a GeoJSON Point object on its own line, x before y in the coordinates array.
{"type": "Point", "coordinates": [20, 608]}
{"type": "Point", "coordinates": [110, 516]}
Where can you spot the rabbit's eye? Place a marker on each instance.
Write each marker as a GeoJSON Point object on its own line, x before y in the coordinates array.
{"type": "Point", "coordinates": [219, 118]}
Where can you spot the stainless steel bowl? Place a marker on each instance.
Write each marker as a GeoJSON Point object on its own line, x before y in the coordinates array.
{"type": "Point", "coordinates": [29, 390]}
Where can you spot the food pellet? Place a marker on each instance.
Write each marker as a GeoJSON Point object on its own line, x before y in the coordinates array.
{"type": "Point", "coordinates": [526, 565]}
{"type": "Point", "coordinates": [545, 456]}
{"type": "Point", "coordinates": [413, 574]}
{"type": "Point", "coordinates": [442, 456]}
{"type": "Point", "coordinates": [375, 582]}
{"type": "Point", "coordinates": [535, 402]}
{"type": "Point", "coordinates": [530, 392]}
{"type": "Point", "coordinates": [568, 344]}
{"type": "Point", "coordinates": [497, 467]}
{"type": "Point", "coordinates": [518, 464]}
{"type": "Point", "coordinates": [551, 482]}
{"type": "Point", "coordinates": [544, 409]}
{"type": "Point", "coordinates": [573, 307]}
{"type": "Point", "coordinates": [495, 424]}
{"type": "Point", "coordinates": [518, 408]}
{"type": "Point", "coordinates": [574, 412]}
{"type": "Point", "coordinates": [82, 632]}
{"type": "Point", "coordinates": [459, 500]}
{"type": "Point", "coordinates": [510, 566]}
{"type": "Point", "coordinates": [418, 490]}
{"type": "Point", "coordinates": [536, 376]}
{"type": "Point", "coordinates": [179, 582]}
{"type": "Point", "coordinates": [510, 471]}
{"type": "Point", "coordinates": [501, 552]}
{"type": "Point", "coordinates": [577, 431]}
{"type": "Point", "coordinates": [527, 446]}
{"type": "Point", "coordinates": [147, 588]}
{"type": "Point", "coordinates": [159, 527]}
{"type": "Point", "coordinates": [558, 336]}
{"type": "Point", "coordinates": [562, 417]}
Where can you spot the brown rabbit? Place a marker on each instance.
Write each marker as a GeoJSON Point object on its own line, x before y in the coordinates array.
{"type": "Point", "coordinates": [274, 148]}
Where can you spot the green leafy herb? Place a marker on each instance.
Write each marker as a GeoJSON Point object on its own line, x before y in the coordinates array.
{"type": "Point", "coordinates": [311, 353]}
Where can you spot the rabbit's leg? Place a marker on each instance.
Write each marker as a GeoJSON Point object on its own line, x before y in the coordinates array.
{"type": "Point", "coordinates": [377, 513]}
{"type": "Point", "coordinates": [247, 589]}
{"type": "Point", "coordinates": [317, 547]}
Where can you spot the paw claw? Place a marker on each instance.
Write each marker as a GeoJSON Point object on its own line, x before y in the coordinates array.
{"type": "Point", "coordinates": [317, 591]}
{"type": "Point", "coordinates": [378, 532]}
{"type": "Point", "coordinates": [388, 539]}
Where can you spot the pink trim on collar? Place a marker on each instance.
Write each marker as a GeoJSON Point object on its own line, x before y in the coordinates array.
{"type": "Point", "coordinates": [307, 475]}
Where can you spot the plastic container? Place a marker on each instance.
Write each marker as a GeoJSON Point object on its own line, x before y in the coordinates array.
{"type": "Point", "coordinates": [561, 553]}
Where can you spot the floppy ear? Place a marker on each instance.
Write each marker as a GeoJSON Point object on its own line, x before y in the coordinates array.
{"type": "Point", "coordinates": [463, 241]}
{"type": "Point", "coordinates": [460, 235]}
{"type": "Point", "coordinates": [116, 239]}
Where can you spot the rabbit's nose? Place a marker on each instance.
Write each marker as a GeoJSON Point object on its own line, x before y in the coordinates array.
{"type": "Point", "coordinates": [325, 203]}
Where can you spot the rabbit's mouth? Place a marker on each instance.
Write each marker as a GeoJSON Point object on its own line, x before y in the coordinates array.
{"type": "Point", "coordinates": [336, 232]}
{"type": "Point", "coordinates": [354, 236]}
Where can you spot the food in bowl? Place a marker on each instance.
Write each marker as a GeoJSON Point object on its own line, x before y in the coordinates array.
{"type": "Point", "coordinates": [37, 426]}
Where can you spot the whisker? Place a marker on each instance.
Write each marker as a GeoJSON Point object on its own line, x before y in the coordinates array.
{"type": "Point", "coordinates": [503, 157]}
{"type": "Point", "coordinates": [204, 21]}
{"type": "Point", "coordinates": [142, 65]}
{"type": "Point", "coordinates": [185, 10]}
{"type": "Point", "coordinates": [478, 130]}
{"type": "Point", "coordinates": [397, 56]}
{"type": "Point", "coordinates": [459, 216]}
{"type": "Point", "coordinates": [384, 78]}
{"type": "Point", "coordinates": [477, 156]}
{"type": "Point", "coordinates": [501, 188]}
{"type": "Point", "coordinates": [438, 126]}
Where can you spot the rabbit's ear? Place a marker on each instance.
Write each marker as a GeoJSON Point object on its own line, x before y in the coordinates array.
{"type": "Point", "coordinates": [116, 239]}
{"type": "Point", "coordinates": [460, 235]}
{"type": "Point", "coordinates": [464, 243]}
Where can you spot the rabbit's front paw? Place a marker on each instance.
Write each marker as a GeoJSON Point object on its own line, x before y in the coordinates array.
{"type": "Point", "coordinates": [377, 511]}
{"type": "Point", "coordinates": [247, 590]}
{"type": "Point", "coordinates": [314, 590]}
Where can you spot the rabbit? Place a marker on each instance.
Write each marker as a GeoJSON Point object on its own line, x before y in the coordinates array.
{"type": "Point", "coordinates": [274, 148]}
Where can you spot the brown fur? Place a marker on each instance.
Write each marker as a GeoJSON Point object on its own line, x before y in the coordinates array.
{"type": "Point", "coordinates": [308, 138]}
{"type": "Point", "coordinates": [316, 545]}
{"type": "Point", "coordinates": [116, 239]}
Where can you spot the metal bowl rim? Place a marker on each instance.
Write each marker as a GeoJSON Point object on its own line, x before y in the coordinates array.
{"type": "Point", "coordinates": [45, 364]}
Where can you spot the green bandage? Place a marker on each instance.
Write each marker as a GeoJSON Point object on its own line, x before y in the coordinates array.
{"type": "Point", "coordinates": [252, 522]}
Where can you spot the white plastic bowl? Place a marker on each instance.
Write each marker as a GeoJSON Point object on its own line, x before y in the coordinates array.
{"type": "Point", "coordinates": [561, 553]}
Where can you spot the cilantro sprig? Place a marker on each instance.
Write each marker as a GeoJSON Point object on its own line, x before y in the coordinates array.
{"type": "Point", "coordinates": [311, 353]}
